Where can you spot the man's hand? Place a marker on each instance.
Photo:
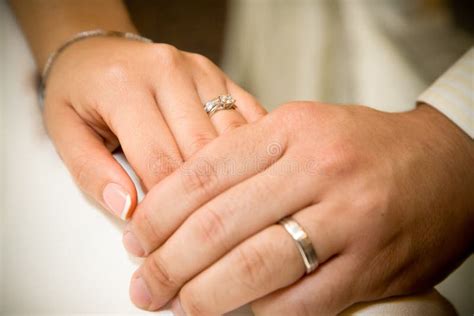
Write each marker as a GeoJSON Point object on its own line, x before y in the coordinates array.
{"type": "Point", "coordinates": [385, 198]}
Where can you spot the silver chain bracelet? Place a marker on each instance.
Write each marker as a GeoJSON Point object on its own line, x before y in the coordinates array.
{"type": "Point", "coordinates": [76, 38]}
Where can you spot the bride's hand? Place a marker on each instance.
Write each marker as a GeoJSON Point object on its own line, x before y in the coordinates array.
{"type": "Point", "coordinates": [385, 198]}
{"type": "Point", "coordinates": [147, 98]}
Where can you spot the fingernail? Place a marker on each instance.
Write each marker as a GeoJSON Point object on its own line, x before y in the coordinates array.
{"type": "Point", "coordinates": [117, 199]}
{"type": "Point", "coordinates": [139, 293]}
{"type": "Point", "coordinates": [176, 308]}
{"type": "Point", "coordinates": [132, 244]}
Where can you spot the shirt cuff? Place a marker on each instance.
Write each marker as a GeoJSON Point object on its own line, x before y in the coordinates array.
{"type": "Point", "coordinates": [453, 93]}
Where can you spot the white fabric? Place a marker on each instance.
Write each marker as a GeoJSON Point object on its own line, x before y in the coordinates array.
{"type": "Point", "coordinates": [453, 93]}
{"type": "Point", "coordinates": [285, 50]}
{"type": "Point", "coordinates": [429, 303]}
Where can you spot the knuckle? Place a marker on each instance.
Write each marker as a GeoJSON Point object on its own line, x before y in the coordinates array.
{"type": "Point", "coordinates": [191, 303]}
{"type": "Point", "coordinates": [297, 112]}
{"type": "Point", "coordinates": [158, 272]}
{"type": "Point", "coordinates": [81, 171]}
{"type": "Point", "coordinates": [167, 55]}
{"type": "Point", "coordinates": [231, 126]}
{"type": "Point", "coordinates": [199, 176]}
{"type": "Point", "coordinates": [160, 164]}
{"type": "Point", "coordinates": [290, 117]}
{"type": "Point", "coordinates": [116, 72]}
{"type": "Point", "coordinates": [207, 67]}
{"type": "Point", "coordinates": [252, 267]}
{"type": "Point", "coordinates": [259, 111]}
{"type": "Point", "coordinates": [202, 60]}
{"type": "Point", "coordinates": [210, 227]}
{"type": "Point", "coordinates": [337, 159]}
{"type": "Point", "coordinates": [198, 141]}
{"type": "Point", "coordinates": [149, 228]}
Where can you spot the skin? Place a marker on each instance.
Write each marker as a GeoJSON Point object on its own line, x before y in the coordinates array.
{"type": "Point", "coordinates": [386, 199]}
{"type": "Point", "coordinates": [103, 93]}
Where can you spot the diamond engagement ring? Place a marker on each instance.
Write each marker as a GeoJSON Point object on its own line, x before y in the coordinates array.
{"type": "Point", "coordinates": [303, 243]}
{"type": "Point", "coordinates": [222, 102]}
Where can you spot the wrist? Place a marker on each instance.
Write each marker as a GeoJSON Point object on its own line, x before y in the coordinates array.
{"type": "Point", "coordinates": [440, 138]}
{"type": "Point", "coordinates": [433, 121]}
{"type": "Point", "coordinates": [63, 35]}
{"type": "Point", "coordinates": [88, 36]}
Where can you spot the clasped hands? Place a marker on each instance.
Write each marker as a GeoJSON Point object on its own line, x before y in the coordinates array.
{"type": "Point", "coordinates": [384, 197]}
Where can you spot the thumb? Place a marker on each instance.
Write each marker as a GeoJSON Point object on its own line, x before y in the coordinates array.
{"type": "Point", "coordinates": [91, 164]}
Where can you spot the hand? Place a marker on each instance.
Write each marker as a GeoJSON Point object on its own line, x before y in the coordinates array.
{"type": "Point", "coordinates": [105, 92]}
{"type": "Point", "coordinates": [386, 199]}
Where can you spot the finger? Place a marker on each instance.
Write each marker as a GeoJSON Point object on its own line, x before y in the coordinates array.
{"type": "Point", "coordinates": [144, 136]}
{"type": "Point", "coordinates": [248, 106]}
{"type": "Point", "coordinates": [327, 291]}
{"type": "Point", "coordinates": [221, 224]}
{"type": "Point", "coordinates": [226, 161]}
{"type": "Point", "coordinates": [262, 264]}
{"type": "Point", "coordinates": [91, 164]}
{"type": "Point", "coordinates": [181, 106]}
{"type": "Point", "coordinates": [210, 83]}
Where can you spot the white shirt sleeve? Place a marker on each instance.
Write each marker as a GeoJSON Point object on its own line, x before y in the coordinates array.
{"type": "Point", "coordinates": [453, 93]}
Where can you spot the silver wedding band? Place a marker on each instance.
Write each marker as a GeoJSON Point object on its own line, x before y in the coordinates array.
{"type": "Point", "coordinates": [222, 102]}
{"type": "Point", "coordinates": [303, 243]}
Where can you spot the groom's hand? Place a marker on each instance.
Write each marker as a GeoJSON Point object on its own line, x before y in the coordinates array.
{"type": "Point", "coordinates": [386, 200]}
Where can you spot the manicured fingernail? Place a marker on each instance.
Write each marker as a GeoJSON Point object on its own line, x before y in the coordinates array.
{"type": "Point", "coordinates": [117, 199]}
{"type": "Point", "coordinates": [176, 308]}
{"type": "Point", "coordinates": [132, 244]}
{"type": "Point", "coordinates": [139, 293]}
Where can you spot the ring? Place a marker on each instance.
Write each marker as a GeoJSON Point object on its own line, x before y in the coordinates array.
{"type": "Point", "coordinates": [303, 243]}
{"type": "Point", "coordinates": [222, 102]}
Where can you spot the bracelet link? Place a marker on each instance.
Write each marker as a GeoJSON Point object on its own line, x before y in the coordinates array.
{"type": "Point", "coordinates": [83, 35]}
{"type": "Point", "coordinates": [76, 38]}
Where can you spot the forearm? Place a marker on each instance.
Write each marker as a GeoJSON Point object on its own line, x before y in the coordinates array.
{"type": "Point", "coordinates": [48, 24]}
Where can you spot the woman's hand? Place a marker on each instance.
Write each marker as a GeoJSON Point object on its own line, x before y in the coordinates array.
{"type": "Point", "coordinates": [148, 98]}
{"type": "Point", "coordinates": [385, 198]}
